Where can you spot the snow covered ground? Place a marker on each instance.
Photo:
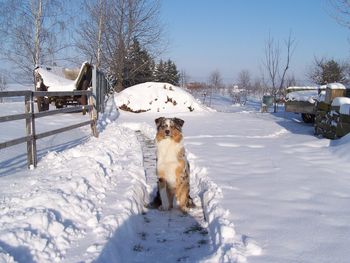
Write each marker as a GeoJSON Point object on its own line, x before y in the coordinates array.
{"type": "Point", "coordinates": [270, 192]}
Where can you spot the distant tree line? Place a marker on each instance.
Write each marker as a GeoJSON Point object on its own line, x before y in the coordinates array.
{"type": "Point", "coordinates": [321, 72]}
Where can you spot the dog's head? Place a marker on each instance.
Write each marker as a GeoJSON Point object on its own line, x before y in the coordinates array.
{"type": "Point", "coordinates": [169, 128]}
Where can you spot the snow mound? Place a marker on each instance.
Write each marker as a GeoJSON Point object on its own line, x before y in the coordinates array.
{"type": "Point", "coordinates": [340, 147]}
{"type": "Point", "coordinates": [65, 199]}
{"type": "Point", "coordinates": [157, 97]}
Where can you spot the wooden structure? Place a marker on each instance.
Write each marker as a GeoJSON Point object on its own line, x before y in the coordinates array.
{"type": "Point", "coordinates": [305, 106]}
{"type": "Point", "coordinates": [30, 116]}
{"type": "Point", "coordinates": [329, 122]}
{"type": "Point", "coordinates": [343, 125]}
{"type": "Point", "coordinates": [79, 80]}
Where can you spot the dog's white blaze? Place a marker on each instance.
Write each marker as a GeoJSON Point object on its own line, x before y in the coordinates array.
{"type": "Point", "coordinates": [167, 159]}
{"type": "Point", "coordinates": [164, 198]}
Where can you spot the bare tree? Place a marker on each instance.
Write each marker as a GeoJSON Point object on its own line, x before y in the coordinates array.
{"type": "Point", "coordinates": [215, 84]}
{"type": "Point", "coordinates": [327, 71]}
{"type": "Point", "coordinates": [32, 32]}
{"type": "Point", "coordinates": [244, 80]}
{"type": "Point", "coordinates": [258, 87]}
{"type": "Point", "coordinates": [215, 80]}
{"type": "Point", "coordinates": [184, 78]}
{"type": "Point", "coordinates": [92, 30]}
{"type": "Point", "coordinates": [291, 81]}
{"type": "Point", "coordinates": [273, 63]}
{"type": "Point", "coordinates": [341, 11]}
{"type": "Point", "coordinates": [107, 34]}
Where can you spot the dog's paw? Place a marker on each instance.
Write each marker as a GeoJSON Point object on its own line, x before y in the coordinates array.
{"type": "Point", "coordinates": [164, 208]}
{"type": "Point", "coordinates": [184, 209]}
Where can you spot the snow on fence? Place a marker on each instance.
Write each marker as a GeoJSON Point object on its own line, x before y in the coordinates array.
{"type": "Point", "coordinates": [29, 116]}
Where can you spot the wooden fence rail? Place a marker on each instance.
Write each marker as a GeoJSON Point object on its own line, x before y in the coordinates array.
{"type": "Point", "coordinates": [29, 116]}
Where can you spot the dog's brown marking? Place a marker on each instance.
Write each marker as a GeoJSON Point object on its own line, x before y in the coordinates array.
{"type": "Point", "coordinates": [177, 136]}
{"type": "Point", "coordinates": [182, 186]}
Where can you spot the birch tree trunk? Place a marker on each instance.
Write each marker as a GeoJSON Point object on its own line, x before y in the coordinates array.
{"type": "Point", "coordinates": [38, 18]}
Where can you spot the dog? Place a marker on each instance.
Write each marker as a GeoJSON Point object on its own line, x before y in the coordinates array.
{"type": "Point", "coordinates": [173, 169]}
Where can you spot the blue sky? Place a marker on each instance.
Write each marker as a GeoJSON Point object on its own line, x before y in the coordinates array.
{"type": "Point", "coordinates": [229, 35]}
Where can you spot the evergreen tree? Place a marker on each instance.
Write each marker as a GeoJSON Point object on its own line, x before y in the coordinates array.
{"type": "Point", "coordinates": [139, 66]}
{"type": "Point", "coordinates": [167, 72]}
{"type": "Point", "coordinates": [159, 72]}
{"type": "Point", "coordinates": [172, 73]}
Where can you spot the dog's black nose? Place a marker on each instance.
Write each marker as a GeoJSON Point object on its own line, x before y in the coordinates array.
{"type": "Point", "coordinates": [167, 132]}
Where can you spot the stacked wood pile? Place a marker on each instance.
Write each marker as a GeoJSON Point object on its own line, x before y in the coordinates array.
{"type": "Point", "coordinates": [332, 117]}
{"type": "Point", "coordinates": [343, 126]}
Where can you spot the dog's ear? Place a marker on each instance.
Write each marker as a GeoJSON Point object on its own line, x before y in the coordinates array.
{"type": "Point", "coordinates": [159, 120]}
{"type": "Point", "coordinates": [178, 122]}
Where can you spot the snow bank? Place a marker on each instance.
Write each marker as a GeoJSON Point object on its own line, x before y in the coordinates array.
{"type": "Point", "coordinates": [341, 147]}
{"type": "Point", "coordinates": [108, 116]}
{"type": "Point", "coordinates": [228, 245]}
{"type": "Point", "coordinates": [63, 209]}
{"type": "Point", "coordinates": [157, 97]}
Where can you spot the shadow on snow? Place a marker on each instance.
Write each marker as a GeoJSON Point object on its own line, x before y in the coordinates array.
{"type": "Point", "coordinates": [158, 236]}
{"type": "Point", "coordinates": [19, 162]}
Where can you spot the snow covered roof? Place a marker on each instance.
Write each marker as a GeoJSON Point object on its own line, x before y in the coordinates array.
{"type": "Point", "coordinates": [305, 95]}
{"type": "Point", "coordinates": [310, 93]}
{"type": "Point", "coordinates": [157, 97]}
{"type": "Point", "coordinates": [300, 88]}
{"type": "Point", "coordinates": [55, 80]}
{"type": "Point", "coordinates": [335, 86]}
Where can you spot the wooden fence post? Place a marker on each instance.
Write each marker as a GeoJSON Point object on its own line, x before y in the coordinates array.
{"type": "Point", "coordinates": [30, 130]}
{"type": "Point", "coordinates": [93, 115]}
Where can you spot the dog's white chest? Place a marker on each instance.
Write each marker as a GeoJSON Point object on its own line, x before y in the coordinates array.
{"type": "Point", "coordinates": [167, 159]}
{"type": "Point", "coordinates": [167, 151]}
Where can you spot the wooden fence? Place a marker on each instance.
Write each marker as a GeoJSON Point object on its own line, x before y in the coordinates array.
{"type": "Point", "coordinates": [29, 116]}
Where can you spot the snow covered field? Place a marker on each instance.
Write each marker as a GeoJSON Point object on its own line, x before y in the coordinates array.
{"type": "Point", "coordinates": [270, 191]}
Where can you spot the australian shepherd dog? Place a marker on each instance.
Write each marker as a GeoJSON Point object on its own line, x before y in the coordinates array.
{"type": "Point", "coordinates": [173, 169]}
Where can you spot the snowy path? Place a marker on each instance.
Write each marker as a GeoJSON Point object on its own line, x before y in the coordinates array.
{"type": "Point", "coordinates": [169, 236]}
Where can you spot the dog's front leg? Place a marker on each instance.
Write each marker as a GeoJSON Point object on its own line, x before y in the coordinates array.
{"type": "Point", "coordinates": [163, 192]}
